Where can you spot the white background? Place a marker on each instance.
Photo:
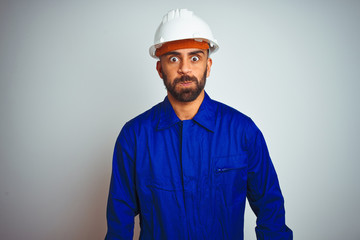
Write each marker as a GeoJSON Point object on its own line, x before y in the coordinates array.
{"type": "Point", "coordinates": [73, 72]}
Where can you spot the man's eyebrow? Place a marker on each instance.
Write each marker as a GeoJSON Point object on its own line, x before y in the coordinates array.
{"type": "Point", "coordinates": [190, 53]}
{"type": "Point", "coordinates": [171, 53]}
{"type": "Point", "coordinates": [196, 52]}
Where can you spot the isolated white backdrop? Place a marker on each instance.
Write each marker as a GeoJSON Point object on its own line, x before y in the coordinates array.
{"type": "Point", "coordinates": [73, 72]}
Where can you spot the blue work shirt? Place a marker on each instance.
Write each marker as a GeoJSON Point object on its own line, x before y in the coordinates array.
{"type": "Point", "coordinates": [190, 179]}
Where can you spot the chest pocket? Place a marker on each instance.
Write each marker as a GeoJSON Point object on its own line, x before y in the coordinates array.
{"type": "Point", "coordinates": [230, 179]}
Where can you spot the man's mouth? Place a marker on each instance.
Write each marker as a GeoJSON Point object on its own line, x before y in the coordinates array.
{"type": "Point", "coordinates": [185, 81]}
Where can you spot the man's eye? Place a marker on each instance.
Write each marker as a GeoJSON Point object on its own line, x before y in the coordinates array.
{"type": "Point", "coordinates": [195, 59]}
{"type": "Point", "coordinates": [174, 59]}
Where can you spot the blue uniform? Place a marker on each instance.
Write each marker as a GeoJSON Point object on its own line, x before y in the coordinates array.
{"type": "Point", "coordinates": [190, 179]}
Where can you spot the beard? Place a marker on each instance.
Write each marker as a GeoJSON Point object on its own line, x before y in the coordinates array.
{"type": "Point", "coordinates": [185, 94]}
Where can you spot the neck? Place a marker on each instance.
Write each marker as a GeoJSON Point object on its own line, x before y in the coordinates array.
{"type": "Point", "coordinates": [186, 110]}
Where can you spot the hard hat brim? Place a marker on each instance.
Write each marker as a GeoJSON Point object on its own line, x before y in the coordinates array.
{"type": "Point", "coordinates": [213, 46]}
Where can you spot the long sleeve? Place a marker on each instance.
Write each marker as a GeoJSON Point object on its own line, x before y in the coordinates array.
{"type": "Point", "coordinates": [122, 201]}
{"type": "Point", "coordinates": [264, 194]}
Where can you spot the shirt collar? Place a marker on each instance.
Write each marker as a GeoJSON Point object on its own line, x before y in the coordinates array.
{"type": "Point", "coordinates": [205, 116]}
{"type": "Point", "coordinates": [167, 115]}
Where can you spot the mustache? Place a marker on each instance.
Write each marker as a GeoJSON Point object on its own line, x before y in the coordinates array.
{"type": "Point", "coordinates": [185, 78]}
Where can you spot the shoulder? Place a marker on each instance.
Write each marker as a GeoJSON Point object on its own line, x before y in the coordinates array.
{"type": "Point", "coordinates": [148, 118]}
{"type": "Point", "coordinates": [133, 127]}
{"type": "Point", "coordinates": [227, 113]}
{"type": "Point", "coordinates": [239, 124]}
{"type": "Point", "coordinates": [234, 120]}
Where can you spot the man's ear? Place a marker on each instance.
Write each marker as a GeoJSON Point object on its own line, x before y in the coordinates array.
{"type": "Point", "coordinates": [158, 68]}
{"type": "Point", "coordinates": [208, 64]}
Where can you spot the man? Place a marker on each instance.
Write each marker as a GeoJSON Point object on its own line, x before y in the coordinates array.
{"type": "Point", "coordinates": [187, 165]}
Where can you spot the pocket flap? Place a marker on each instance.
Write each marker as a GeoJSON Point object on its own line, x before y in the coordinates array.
{"type": "Point", "coordinates": [232, 162]}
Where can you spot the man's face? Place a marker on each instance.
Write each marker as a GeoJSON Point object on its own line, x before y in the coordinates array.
{"type": "Point", "coordinates": [184, 72]}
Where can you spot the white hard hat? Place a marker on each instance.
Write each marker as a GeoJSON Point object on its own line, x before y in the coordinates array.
{"type": "Point", "coordinates": [182, 24]}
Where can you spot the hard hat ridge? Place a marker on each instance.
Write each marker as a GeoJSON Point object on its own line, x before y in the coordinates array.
{"type": "Point", "coordinates": [177, 13]}
{"type": "Point", "coordinates": [181, 24]}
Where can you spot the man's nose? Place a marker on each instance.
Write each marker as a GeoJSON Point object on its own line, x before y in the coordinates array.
{"type": "Point", "coordinates": [185, 67]}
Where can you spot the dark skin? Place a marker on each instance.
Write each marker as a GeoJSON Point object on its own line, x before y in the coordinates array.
{"type": "Point", "coordinates": [191, 62]}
